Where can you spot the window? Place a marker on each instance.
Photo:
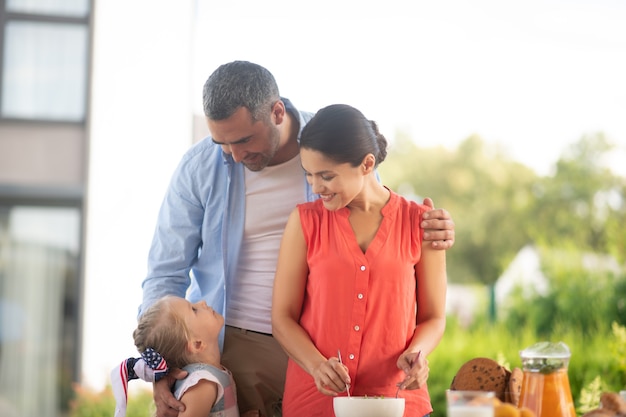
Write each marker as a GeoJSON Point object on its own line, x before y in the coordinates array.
{"type": "Point", "coordinates": [39, 270]}
{"type": "Point", "coordinates": [74, 8]}
{"type": "Point", "coordinates": [45, 46]}
{"type": "Point", "coordinates": [44, 71]}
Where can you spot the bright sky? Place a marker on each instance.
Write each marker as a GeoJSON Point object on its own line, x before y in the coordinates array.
{"type": "Point", "coordinates": [533, 76]}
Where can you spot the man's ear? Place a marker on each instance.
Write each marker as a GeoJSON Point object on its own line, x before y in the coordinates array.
{"type": "Point", "coordinates": [278, 112]}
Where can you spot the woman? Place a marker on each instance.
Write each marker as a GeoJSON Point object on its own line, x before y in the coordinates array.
{"type": "Point", "coordinates": [353, 277]}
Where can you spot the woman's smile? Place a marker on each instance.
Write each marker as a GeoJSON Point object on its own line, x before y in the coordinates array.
{"type": "Point", "coordinates": [327, 197]}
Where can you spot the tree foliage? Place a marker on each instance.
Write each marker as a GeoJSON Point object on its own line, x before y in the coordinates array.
{"type": "Point", "coordinates": [486, 193]}
{"type": "Point", "coordinates": [584, 204]}
{"type": "Point", "coordinates": [500, 205]}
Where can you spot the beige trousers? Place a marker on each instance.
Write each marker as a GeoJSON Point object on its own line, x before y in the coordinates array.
{"type": "Point", "coordinates": [258, 365]}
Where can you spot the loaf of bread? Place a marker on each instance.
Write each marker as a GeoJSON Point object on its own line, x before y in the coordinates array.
{"type": "Point", "coordinates": [515, 386]}
{"type": "Point", "coordinates": [611, 405]}
{"type": "Point", "coordinates": [482, 374]}
{"type": "Point", "coordinates": [614, 402]}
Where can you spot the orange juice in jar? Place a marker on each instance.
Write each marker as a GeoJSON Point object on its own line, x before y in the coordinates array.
{"type": "Point", "coordinates": [545, 386]}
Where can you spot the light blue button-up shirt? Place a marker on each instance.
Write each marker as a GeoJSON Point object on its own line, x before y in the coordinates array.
{"type": "Point", "coordinates": [195, 248]}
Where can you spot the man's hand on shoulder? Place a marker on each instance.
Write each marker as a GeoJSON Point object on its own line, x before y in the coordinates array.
{"type": "Point", "coordinates": [166, 404]}
{"type": "Point", "coordinates": [438, 226]}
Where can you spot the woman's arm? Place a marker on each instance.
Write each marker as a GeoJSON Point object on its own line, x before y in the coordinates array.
{"type": "Point", "coordinates": [431, 316]}
{"type": "Point", "coordinates": [289, 288]}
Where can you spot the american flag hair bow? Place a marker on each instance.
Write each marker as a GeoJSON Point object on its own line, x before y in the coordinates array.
{"type": "Point", "coordinates": [151, 367]}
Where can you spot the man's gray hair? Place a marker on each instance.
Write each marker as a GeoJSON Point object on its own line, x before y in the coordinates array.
{"type": "Point", "coordinates": [237, 84]}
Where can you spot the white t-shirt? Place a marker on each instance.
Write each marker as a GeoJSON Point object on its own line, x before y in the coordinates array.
{"type": "Point", "coordinates": [271, 195]}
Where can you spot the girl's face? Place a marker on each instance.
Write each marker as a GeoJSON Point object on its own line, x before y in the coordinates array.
{"type": "Point", "coordinates": [201, 320]}
{"type": "Point", "coordinates": [337, 184]}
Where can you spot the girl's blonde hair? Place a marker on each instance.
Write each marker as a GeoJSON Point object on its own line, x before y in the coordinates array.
{"type": "Point", "coordinates": [162, 329]}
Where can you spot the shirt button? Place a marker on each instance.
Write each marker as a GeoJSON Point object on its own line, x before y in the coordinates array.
{"type": "Point", "coordinates": [360, 296]}
{"type": "Point", "coordinates": [357, 328]}
{"type": "Point", "coordinates": [362, 267]}
{"type": "Point", "coordinates": [351, 356]}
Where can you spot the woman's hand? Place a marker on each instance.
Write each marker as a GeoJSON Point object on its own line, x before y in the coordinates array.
{"type": "Point", "coordinates": [331, 377]}
{"type": "Point", "coordinates": [415, 368]}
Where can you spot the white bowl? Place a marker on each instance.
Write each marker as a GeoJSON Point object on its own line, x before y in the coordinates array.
{"type": "Point", "coordinates": [368, 407]}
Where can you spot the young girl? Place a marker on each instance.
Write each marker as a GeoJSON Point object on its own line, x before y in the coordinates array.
{"type": "Point", "coordinates": [353, 278]}
{"type": "Point", "coordinates": [174, 333]}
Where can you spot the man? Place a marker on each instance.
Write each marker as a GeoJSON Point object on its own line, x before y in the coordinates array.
{"type": "Point", "coordinates": [219, 227]}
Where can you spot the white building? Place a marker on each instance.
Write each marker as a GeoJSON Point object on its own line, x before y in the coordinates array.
{"type": "Point", "coordinates": [525, 273]}
{"type": "Point", "coordinates": [91, 90]}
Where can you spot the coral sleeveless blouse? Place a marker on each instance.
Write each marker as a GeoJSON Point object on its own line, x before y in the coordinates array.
{"type": "Point", "coordinates": [363, 304]}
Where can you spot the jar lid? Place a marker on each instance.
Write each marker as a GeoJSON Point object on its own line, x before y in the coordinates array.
{"type": "Point", "coordinates": [545, 357]}
{"type": "Point", "coordinates": [546, 350]}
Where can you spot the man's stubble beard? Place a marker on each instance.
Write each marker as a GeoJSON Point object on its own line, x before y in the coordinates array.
{"type": "Point", "coordinates": [267, 156]}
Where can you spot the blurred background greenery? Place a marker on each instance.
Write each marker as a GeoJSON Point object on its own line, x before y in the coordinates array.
{"type": "Point", "coordinates": [501, 206]}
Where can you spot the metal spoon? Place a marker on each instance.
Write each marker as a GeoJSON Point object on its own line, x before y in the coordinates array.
{"type": "Point", "coordinates": [341, 362]}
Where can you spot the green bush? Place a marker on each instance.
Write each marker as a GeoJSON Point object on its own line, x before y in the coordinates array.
{"type": "Point", "coordinates": [89, 403]}
{"type": "Point", "coordinates": [587, 300]}
{"type": "Point", "coordinates": [602, 355]}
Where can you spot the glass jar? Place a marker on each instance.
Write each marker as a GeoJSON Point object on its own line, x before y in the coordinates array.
{"type": "Point", "coordinates": [545, 386]}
